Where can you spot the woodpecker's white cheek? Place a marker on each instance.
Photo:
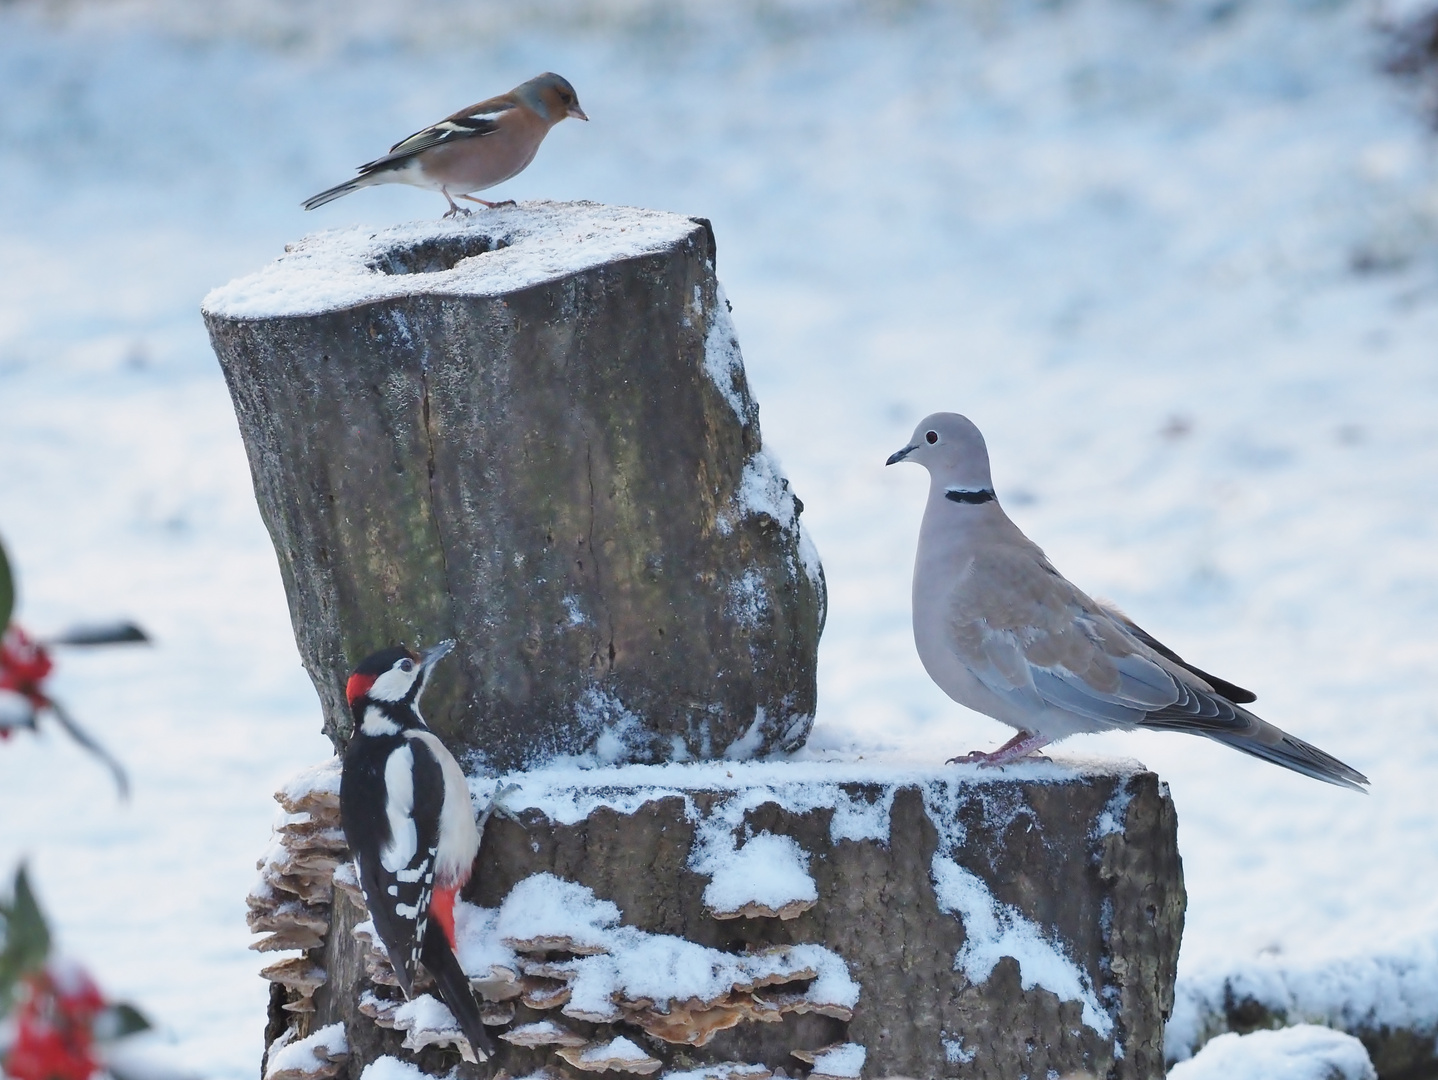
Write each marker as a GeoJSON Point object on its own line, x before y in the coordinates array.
{"type": "Point", "coordinates": [393, 685]}
{"type": "Point", "coordinates": [399, 808]}
{"type": "Point", "coordinates": [376, 723]}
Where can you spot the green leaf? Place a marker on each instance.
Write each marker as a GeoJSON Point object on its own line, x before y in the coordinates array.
{"type": "Point", "coordinates": [7, 590]}
{"type": "Point", "coordinates": [117, 1021]}
{"type": "Point", "coordinates": [26, 942]}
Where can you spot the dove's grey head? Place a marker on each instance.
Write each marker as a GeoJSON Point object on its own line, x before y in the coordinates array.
{"type": "Point", "coordinates": [953, 451]}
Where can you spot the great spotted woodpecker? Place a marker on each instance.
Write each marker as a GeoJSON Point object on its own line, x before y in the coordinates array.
{"type": "Point", "coordinates": [405, 809]}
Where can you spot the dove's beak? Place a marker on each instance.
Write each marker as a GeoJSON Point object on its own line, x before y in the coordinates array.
{"type": "Point", "coordinates": [900, 455]}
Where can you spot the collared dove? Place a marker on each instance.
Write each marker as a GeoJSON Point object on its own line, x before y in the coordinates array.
{"type": "Point", "coordinates": [1004, 633]}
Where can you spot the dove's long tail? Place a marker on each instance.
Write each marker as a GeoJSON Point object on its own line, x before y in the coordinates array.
{"type": "Point", "coordinates": [1237, 727]}
{"type": "Point", "coordinates": [1275, 745]}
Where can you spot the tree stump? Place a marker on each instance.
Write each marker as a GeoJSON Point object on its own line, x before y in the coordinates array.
{"type": "Point", "coordinates": [529, 430]}
{"type": "Point", "coordinates": [829, 920]}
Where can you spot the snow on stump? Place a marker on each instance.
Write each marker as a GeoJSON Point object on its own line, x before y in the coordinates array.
{"type": "Point", "coordinates": [529, 430]}
{"type": "Point", "coordinates": [942, 922]}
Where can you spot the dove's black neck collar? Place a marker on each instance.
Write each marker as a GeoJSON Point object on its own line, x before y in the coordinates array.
{"type": "Point", "coordinates": [959, 495]}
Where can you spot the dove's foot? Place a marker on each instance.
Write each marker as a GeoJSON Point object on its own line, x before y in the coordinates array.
{"type": "Point", "coordinates": [486, 202]}
{"type": "Point", "coordinates": [1022, 745]}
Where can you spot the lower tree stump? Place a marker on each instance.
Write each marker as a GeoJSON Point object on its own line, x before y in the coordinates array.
{"type": "Point", "coordinates": [740, 921]}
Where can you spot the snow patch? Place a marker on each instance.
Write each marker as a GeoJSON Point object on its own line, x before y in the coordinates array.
{"type": "Point", "coordinates": [749, 601]}
{"type": "Point", "coordinates": [723, 362]}
{"type": "Point", "coordinates": [478, 943]}
{"type": "Point", "coordinates": [515, 248]}
{"type": "Point", "coordinates": [954, 1052]}
{"type": "Point", "coordinates": [763, 489]}
{"type": "Point", "coordinates": [1395, 989]}
{"type": "Point", "coordinates": [993, 930]}
{"type": "Point", "coordinates": [567, 793]}
{"type": "Point", "coordinates": [1115, 813]}
{"type": "Point", "coordinates": [543, 905]}
{"type": "Point", "coordinates": [634, 964]}
{"type": "Point", "coordinates": [846, 1059]}
{"type": "Point", "coordinates": [768, 870]}
{"type": "Point", "coordinates": [747, 745]}
{"type": "Point", "coordinates": [1305, 1052]}
{"type": "Point", "coordinates": [619, 734]}
{"type": "Point", "coordinates": [311, 1053]}
{"type": "Point", "coordinates": [425, 1012]}
{"type": "Point", "coordinates": [617, 1049]}
{"type": "Point", "coordinates": [322, 779]}
{"type": "Point", "coordinates": [392, 1068]}
{"type": "Point", "coordinates": [573, 612]}
{"type": "Point", "coordinates": [728, 1070]}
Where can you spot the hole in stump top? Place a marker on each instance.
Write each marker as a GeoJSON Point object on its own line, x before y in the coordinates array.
{"type": "Point", "coordinates": [489, 253]}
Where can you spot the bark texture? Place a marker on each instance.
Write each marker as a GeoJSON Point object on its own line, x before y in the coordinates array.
{"type": "Point", "coordinates": [565, 475]}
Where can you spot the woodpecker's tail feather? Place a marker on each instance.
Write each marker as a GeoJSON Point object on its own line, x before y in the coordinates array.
{"type": "Point", "coordinates": [455, 989]}
{"type": "Point", "coordinates": [331, 194]}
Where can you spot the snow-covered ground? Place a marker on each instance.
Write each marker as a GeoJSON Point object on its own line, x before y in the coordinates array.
{"type": "Point", "coordinates": [1179, 262]}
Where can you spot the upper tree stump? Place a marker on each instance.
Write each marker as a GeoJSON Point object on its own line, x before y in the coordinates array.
{"type": "Point", "coordinates": [529, 430]}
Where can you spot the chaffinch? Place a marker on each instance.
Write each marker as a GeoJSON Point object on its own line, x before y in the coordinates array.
{"type": "Point", "coordinates": [473, 149]}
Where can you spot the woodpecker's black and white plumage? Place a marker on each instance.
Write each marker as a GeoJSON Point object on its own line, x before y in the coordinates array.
{"type": "Point", "coordinates": [405, 808]}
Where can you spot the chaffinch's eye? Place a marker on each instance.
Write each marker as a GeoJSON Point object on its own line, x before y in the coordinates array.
{"type": "Point", "coordinates": [931, 437]}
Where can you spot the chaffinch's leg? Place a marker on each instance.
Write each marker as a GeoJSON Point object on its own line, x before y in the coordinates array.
{"type": "Point", "coordinates": [454, 207]}
{"type": "Point", "coordinates": [485, 202]}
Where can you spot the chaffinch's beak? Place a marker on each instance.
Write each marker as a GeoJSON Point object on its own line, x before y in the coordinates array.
{"type": "Point", "coordinates": [576, 112]}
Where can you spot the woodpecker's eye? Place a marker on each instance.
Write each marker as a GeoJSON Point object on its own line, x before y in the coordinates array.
{"type": "Point", "coordinates": [406, 664]}
{"type": "Point", "coordinates": [931, 437]}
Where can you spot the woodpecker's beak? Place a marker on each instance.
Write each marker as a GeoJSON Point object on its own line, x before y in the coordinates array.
{"type": "Point", "coordinates": [900, 455]}
{"type": "Point", "coordinates": [435, 653]}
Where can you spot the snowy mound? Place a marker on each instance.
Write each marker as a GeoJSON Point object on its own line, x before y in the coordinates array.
{"type": "Point", "coordinates": [1305, 1052]}
{"type": "Point", "coordinates": [486, 254]}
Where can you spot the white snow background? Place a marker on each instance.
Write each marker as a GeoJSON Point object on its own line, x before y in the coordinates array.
{"type": "Point", "coordinates": [1179, 262]}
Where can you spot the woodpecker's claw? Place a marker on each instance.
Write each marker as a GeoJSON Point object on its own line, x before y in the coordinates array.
{"type": "Point", "coordinates": [496, 806]}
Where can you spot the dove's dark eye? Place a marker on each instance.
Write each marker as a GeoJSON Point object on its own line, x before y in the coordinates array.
{"type": "Point", "coordinates": [931, 437]}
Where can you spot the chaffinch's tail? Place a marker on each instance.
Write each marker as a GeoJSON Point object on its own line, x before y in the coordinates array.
{"type": "Point", "coordinates": [331, 194]}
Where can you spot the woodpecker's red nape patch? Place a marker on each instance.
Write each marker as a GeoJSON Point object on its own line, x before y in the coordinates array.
{"type": "Point", "coordinates": [441, 910]}
{"type": "Point", "coordinates": [358, 687]}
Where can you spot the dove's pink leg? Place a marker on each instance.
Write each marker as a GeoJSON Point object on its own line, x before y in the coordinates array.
{"type": "Point", "coordinates": [1021, 745]}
